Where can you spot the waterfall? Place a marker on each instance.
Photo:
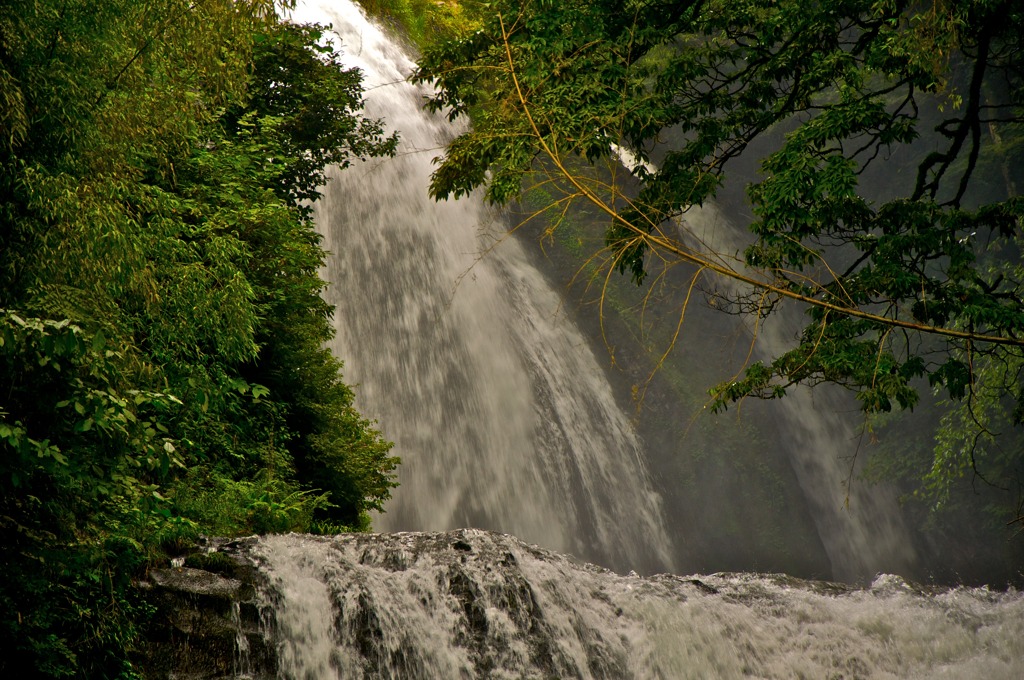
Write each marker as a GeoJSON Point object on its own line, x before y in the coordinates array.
{"type": "Point", "coordinates": [499, 408]}
{"type": "Point", "coordinates": [471, 604]}
{"type": "Point", "coordinates": [506, 421]}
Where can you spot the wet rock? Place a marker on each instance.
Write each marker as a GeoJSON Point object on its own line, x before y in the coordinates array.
{"type": "Point", "coordinates": [206, 625]}
{"type": "Point", "coordinates": [197, 582]}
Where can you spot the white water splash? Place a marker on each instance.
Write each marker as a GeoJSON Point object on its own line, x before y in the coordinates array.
{"type": "Point", "coordinates": [471, 604]}
{"type": "Point", "coordinates": [502, 415]}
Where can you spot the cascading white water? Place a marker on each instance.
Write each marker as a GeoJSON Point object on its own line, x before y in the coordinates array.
{"type": "Point", "coordinates": [501, 412]}
{"type": "Point", "coordinates": [470, 604]}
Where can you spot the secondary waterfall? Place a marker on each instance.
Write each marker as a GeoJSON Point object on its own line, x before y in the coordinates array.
{"type": "Point", "coordinates": [859, 523]}
{"type": "Point", "coordinates": [501, 412]}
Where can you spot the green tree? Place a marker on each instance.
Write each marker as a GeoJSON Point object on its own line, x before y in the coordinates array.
{"type": "Point", "coordinates": [299, 84]}
{"type": "Point", "coordinates": [911, 284]}
{"type": "Point", "coordinates": [162, 358]}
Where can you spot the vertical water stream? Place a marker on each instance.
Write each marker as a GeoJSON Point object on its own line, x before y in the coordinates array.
{"type": "Point", "coordinates": [500, 410]}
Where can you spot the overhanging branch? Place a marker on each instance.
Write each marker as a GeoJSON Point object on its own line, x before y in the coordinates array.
{"type": "Point", "coordinates": [660, 241]}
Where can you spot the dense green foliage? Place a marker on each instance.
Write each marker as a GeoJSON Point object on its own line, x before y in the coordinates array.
{"type": "Point", "coordinates": [162, 363]}
{"type": "Point", "coordinates": [881, 143]}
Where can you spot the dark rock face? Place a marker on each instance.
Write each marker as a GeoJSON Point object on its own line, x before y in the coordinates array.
{"type": "Point", "coordinates": [208, 622]}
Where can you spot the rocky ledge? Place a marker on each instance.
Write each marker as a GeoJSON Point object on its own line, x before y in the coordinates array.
{"type": "Point", "coordinates": [208, 622]}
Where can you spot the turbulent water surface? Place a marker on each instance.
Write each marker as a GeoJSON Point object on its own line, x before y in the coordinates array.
{"type": "Point", "coordinates": [472, 604]}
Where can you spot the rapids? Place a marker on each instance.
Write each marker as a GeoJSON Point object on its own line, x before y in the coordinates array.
{"type": "Point", "coordinates": [474, 604]}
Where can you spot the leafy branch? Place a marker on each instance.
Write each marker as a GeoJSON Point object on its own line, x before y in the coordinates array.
{"type": "Point", "coordinates": [652, 237]}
